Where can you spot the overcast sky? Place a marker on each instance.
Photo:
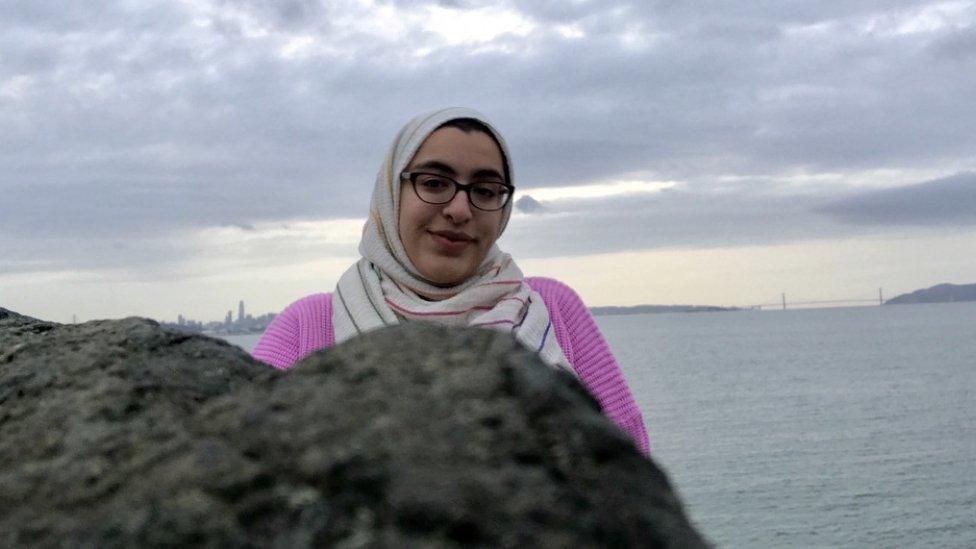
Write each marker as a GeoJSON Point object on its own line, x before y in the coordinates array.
{"type": "Point", "coordinates": [172, 157]}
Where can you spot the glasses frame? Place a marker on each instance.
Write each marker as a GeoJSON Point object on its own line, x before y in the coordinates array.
{"type": "Point", "coordinates": [465, 187]}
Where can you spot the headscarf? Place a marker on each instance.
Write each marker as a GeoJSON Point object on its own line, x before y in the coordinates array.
{"type": "Point", "coordinates": [384, 287]}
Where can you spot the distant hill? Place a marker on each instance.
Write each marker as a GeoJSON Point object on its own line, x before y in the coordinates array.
{"type": "Point", "coordinates": [644, 309]}
{"type": "Point", "coordinates": [940, 293]}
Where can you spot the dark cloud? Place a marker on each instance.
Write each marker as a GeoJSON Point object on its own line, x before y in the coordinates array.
{"type": "Point", "coordinates": [959, 45]}
{"type": "Point", "coordinates": [671, 218]}
{"type": "Point", "coordinates": [558, 11]}
{"type": "Point", "coordinates": [287, 14]}
{"type": "Point", "coordinates": [947, 201]}
{"type": "Point", "coordinates": [677, 14]}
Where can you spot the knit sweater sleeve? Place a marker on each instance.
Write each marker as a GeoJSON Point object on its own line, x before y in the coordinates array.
{"type": "Point", "coordinates": [302, 328]}
{"type": "Point", "coordinates": [590, 356]}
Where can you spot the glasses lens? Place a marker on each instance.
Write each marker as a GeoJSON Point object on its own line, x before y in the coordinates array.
{"type": "Point", "coordinates": [434, 189]}
{"type": "Point", "coordinates": [489, 195]}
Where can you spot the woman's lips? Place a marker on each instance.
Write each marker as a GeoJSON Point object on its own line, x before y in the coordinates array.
{"type": "Point", "coordinates": [450, 241]}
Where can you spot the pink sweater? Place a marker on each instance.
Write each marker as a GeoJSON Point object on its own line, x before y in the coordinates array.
{"type": "Point", "coordinates": [306, 326]}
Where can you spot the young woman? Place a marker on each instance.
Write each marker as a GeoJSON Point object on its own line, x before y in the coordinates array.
{"type": "Point", "coordinates": [442, 198]}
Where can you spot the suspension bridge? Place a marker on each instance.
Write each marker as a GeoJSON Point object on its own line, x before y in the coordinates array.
{"type": "Point", "coordinates": [785, 303]}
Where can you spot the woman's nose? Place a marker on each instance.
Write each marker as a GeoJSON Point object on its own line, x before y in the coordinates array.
{"type": "Point", "coordinates": [458, 209]}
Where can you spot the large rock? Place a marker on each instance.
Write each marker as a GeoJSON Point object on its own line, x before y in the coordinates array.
{"type": "Point", "coordinates": [120, 433]}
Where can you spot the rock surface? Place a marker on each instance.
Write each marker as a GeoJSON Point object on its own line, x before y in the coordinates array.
{"type": "Point", "coordinates": [120, 433]}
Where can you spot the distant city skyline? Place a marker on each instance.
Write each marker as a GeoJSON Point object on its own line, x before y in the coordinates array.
{"type": "Point", "coordinates": [785, 302]}
{"type": "Point", "coordinates": [244, 323]}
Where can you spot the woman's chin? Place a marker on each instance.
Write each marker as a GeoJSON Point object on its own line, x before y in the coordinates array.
{"type": "Point", "coordinates": [446, 276]}
{"type": "Point", "coordinates": [446, 282]}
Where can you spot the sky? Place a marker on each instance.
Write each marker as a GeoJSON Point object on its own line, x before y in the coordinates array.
{"type": "Point", "coordinates": [164, 157]}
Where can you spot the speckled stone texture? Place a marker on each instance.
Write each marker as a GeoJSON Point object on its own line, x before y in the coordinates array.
{"type": "Point", "coordinates": [119, 433]}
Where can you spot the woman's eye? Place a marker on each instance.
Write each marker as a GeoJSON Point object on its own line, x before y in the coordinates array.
{"type": "Point", "coordinates": [434, 183]}
{"type": "Point", "coordinates": [489, 190]}
{"type": "Point", "coordinates": [485, 192]}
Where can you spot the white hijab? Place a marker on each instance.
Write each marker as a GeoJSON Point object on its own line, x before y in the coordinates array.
{"type": "Point", "coordinates": [384, 287]}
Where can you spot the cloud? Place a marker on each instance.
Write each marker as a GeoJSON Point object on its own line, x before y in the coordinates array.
{"type": "Point", "coordinates": [141, 124]}
{"type": "Point", "coordinates": [958, 45]}
{"type": "Point", "coordinates": [947, 201]}
{"type": "Point", "coordinates": [686, 217]}
{"type": "Point", "coordinates": [184, 253]}
{"type": "Point", "coordinates": [745, 212]}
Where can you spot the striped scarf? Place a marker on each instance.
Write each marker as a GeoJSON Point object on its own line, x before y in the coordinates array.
{"type": "Point", "coordinates": [384, 287]}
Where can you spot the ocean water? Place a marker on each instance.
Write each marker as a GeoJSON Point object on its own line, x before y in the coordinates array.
{"type": "Point", "coordinates": [843, 427]}
{"type": "Point", "coordinates": [848, 427]}
{"type": "Point", "coordinates": [247, 341]}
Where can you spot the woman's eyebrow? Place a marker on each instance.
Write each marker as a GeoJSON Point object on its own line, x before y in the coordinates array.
{"type": "Point", "coordinates": [435, 165]}
{"type": "Point", "coordinates": [486, 173]}
{"type": "Point", "coordinates": [442, 167]}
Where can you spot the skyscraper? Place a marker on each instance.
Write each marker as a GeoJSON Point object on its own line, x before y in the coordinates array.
{"type": "Point", "coordinates": [240, 311]}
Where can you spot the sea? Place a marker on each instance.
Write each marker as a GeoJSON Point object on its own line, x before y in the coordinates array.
{"type": "Point", "coordinates": [837, 427]}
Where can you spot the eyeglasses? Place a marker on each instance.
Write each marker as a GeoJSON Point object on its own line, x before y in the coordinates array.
{"type": "Point", "coordinates": [434, 188]}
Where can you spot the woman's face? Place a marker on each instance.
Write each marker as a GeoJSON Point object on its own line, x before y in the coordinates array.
{"type": "Point", "coordinates": [447, 242]}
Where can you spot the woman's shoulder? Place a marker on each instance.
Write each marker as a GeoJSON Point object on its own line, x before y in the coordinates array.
{"type": "Point", "coordinates": [303, 327]}
{"type": "Point", "coordinates": [313, 305]}
{"type": "Point", "coordinates": [311, 314]}
{"type": "Point", "coordinates": [554, 292]}
{"type": "Point", "coordinates": [549, 285]}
